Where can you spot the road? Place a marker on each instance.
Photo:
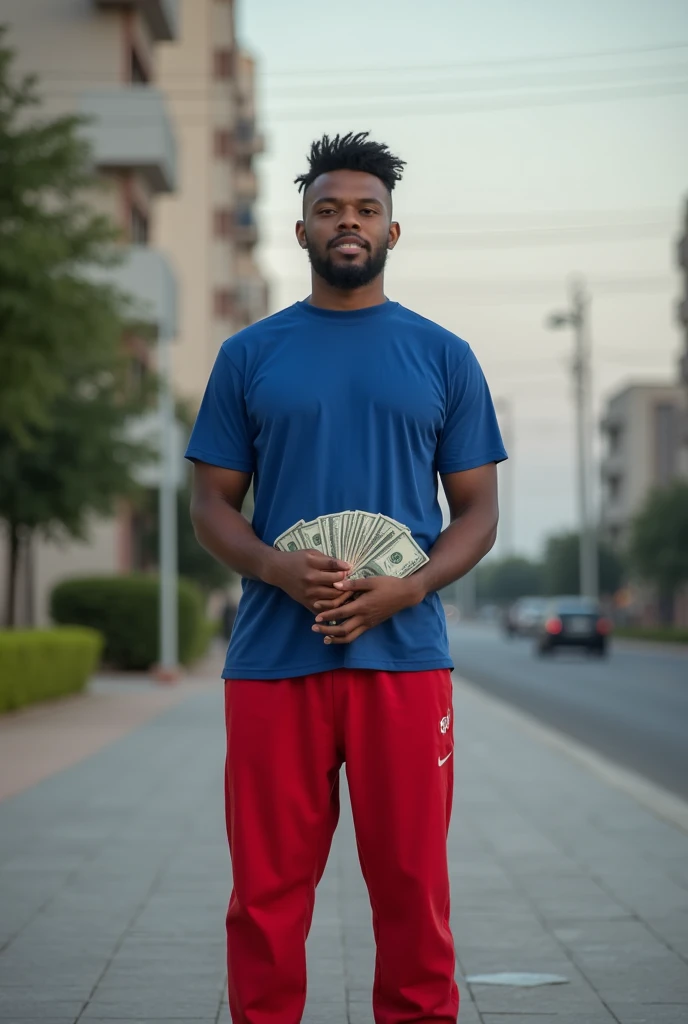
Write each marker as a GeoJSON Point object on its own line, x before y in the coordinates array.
{"type": "Point", "coordinates": [631, 707]}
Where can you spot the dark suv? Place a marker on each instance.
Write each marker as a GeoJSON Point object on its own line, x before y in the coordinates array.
{"type": "Point", "coordinates": [573, 622]}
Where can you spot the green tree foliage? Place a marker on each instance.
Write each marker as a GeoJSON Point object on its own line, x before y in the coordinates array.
{"type": "Point", "coordinates": [658, 548]}
{"type": "Point", "coordinates": [505, 580]}
{"type": "Point", "coordinates": [75, 464]}
{"type": "Point", "coordinates": [561, 571]}
{"type": "Point", "coordinates": [64, 400]}
{"type": "Point", "coordinates": [50, 312]}
{"type": "Point", "coordinates": [194, 562]}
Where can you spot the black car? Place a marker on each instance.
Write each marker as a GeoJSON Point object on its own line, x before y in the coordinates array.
{"type": "Point", "coordinates": [573, 622]}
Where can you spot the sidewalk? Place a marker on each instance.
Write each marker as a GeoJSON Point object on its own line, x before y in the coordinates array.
{"type": "Point", "coordinates": [114, 878]}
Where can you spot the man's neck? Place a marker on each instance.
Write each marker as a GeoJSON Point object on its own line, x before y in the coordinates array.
{"type": "Point", "coordinates": [326, 296]}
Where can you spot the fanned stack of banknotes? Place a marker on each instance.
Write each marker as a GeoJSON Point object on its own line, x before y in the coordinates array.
{"type": "Point", "coordinates": [374, 545]}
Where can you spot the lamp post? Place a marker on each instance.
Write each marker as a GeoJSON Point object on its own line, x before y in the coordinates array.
{"type": "Point", "coordinates": [504, 409]}
{"type": "Point", "coordinates": [577, 318]}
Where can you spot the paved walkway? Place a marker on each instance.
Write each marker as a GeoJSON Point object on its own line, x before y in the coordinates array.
{"type": "Point", "coordinates": [114, 879]}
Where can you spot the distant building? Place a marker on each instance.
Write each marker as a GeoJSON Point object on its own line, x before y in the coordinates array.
{"type": "Point", "coordinates": [642, 427]}
{"type": "Point", "coordinates": [208, 225]}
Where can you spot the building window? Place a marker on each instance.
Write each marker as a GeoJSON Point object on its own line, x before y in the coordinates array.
{"type": "Point", "coordinates": [138, 226]}
{"type": "Point", "coordinates": [614, 488]}
{"type": "Point", "coordinates": [137, 71]}
{"type": "Point", "coordinates": [222, 146]}
{"type": "Point", "coordinates": [223, 223]}
{"type": "Point", "coordinates": [666, 443]}
{"type": "Point", "coordinates": [223, 64]}
{"type": "Point", "coordinates": [223, 303]}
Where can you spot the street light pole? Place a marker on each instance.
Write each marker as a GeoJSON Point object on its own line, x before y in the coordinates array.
{"type": "Point", "coordinates": [167, 498]}
{"type": "Point", "coordinates": [578, 318]}
{"type": "Point", "coordinates": [504, 409]}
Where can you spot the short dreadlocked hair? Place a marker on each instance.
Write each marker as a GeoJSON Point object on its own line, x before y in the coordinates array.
{"type": "Point", "coordinates": [351, 152]}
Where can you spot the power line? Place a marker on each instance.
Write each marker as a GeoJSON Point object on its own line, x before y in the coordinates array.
{"type": "Point", "coordinates": [501, 62]}
{"type": "Point", "coordinates": [507, 103]}
{"type": "Point", "coordinates": [578, 77]}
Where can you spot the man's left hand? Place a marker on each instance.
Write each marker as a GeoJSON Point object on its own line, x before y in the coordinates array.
{"type": "Point", "coordinates": [377, 599]}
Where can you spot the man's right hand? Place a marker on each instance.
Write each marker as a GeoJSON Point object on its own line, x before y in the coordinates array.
{"type": "Point", "coordinates": [307, 576]}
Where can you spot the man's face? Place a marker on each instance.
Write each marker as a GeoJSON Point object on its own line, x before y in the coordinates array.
{"type": "Point", "coordinates": [347, 228]}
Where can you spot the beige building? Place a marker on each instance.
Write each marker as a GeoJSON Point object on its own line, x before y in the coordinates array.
{"type": "Point", "coordinates": [208, 224]}
{"type": "Point", "coordinates": [642, 433]}
{"type": "Point", "coordinates": [170, 98]}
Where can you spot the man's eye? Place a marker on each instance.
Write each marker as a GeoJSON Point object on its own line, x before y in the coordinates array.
{"type": "Point", "coordinates": [325, 211]}
{"type": "Point", "coordinates": [368, 211]}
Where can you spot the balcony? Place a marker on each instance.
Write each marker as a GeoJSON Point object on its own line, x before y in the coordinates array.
{"type": "Point", "coordinates": [162, 16]}
{"type": "Point", "coordinates": [246, 185]}
{"type": "Point", "coordinates": [146, 275]}
{"type": "Point", "coordinates": [130, 129]}
{"type": "Point", "coordinates": [245, 227]}
{"type": "Point", "coordinates": [247, 142]}
{"type": "Point", "coordinates": [252, 296]}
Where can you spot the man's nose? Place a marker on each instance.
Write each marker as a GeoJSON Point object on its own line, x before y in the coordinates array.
{"type": "Point", "coordinates": [348, 219]}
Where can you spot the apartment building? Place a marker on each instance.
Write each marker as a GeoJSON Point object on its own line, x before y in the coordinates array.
{"type": "Point", "coordinates": [98, 58]}
{"type": "Point", "coordinates": [208, 223]}
{"type": "Point", "coordinates": [642, 438]}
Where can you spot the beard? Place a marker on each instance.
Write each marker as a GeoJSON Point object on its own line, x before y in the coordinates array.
{"type": "Point", "coordinates": [348, 276]}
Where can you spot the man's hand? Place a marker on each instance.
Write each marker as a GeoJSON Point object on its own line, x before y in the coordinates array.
{"type": "Point", "coordinates": [307, 576]}
{"type": "Point", "coordinates": [377, 599]}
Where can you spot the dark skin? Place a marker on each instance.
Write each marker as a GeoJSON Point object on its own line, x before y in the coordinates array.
{"type": "Point", "coordinates": [341, 205]}
{"type": "Point", "coordinates": [351, 210]}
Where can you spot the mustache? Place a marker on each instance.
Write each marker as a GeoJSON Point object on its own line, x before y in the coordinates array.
{"type": "Point", "coordinates": [350, 236]}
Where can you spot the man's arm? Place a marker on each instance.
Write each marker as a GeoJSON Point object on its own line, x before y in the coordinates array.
{"type": "Point", "coordinates": [472, 531]}
{"type": "Point", "coordinates": [217, 497]}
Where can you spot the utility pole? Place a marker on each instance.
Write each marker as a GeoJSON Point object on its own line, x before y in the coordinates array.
{"type": "Point", "coordinates": [168, 666]}
{"type": "Point", "coordinates": [578, 318]}
{"type": "Point", "coordinates": [504, 409]}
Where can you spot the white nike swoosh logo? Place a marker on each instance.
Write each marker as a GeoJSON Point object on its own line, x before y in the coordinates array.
{"type": "Point", "coordinates": [441, 760]}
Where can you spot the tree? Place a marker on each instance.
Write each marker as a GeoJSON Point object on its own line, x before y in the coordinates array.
{"type": "Point", "coordinates": [658, 547]}
{"type": "Point", "coordinates": [507, 579]}
{"type": "Point", "coordinates": [193, 561]}
{"type": "Point", "coordinates": [73, 466]}
{"type": "Point", "coordinates": [50, 312]}
{"type": "Point", "coordinates": [561, 572]}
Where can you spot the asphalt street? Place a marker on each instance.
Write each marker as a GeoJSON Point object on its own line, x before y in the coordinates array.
{"type": "Point", "coordinates": [631, 707]}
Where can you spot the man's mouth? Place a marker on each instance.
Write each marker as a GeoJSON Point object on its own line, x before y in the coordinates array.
{"type": "Point", "coordinates": [349, 246]}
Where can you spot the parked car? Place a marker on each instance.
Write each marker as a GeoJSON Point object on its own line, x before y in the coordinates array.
{"type": "Point", "coordinates": [573, 622]}
{"type": "Point", "coordinates": [523, 616]}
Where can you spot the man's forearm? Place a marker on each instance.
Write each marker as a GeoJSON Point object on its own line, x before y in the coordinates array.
{"type": "Point", "coordinates": [457, 550]}
{"type": "Point", "coordinates": [230, 538]}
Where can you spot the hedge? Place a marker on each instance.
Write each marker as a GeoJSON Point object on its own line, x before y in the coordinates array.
{"type": "Point", "coordinates": [659, 634]}
{"type": "Point", "coordinates": [125, 609]}
{"type": "Point", "coordinates": [38, 664]}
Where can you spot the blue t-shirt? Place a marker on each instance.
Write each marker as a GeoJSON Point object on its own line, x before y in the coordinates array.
{"type": "Point", "coordinates": [333, 411]}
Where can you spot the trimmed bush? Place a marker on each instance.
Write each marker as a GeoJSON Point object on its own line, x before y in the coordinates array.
{"type": "Point", "coordinates": [125, 610]}
{"type": "Point", "coordinates": [39, 664]}
{"type": "Point", "coordinates": [658, 634]}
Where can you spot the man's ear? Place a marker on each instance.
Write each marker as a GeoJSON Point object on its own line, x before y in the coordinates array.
{"type": "Point", "coordinates": [300, 231]}
{"type": "Point", "coordinates": [394, 233]}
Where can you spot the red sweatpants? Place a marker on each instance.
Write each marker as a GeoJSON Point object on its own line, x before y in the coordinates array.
{"type": "Point", "coordinates": [286, 741]}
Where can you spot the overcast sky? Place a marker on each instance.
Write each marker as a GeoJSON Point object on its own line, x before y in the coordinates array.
{"type": "Point", "coordinates": [526, 163]}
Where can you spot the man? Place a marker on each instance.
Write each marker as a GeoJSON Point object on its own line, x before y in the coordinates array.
{"type": "Point", "coordinates": [343, 401]}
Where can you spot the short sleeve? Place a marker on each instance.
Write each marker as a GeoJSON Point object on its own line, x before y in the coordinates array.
{"type": "Point", "coordinates": [470, 434]}
{"type": "Point", "coordinates": [221, 434]}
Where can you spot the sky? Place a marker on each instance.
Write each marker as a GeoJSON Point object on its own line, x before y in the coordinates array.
{"type": "Point", "coordinates": [542, 140]}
